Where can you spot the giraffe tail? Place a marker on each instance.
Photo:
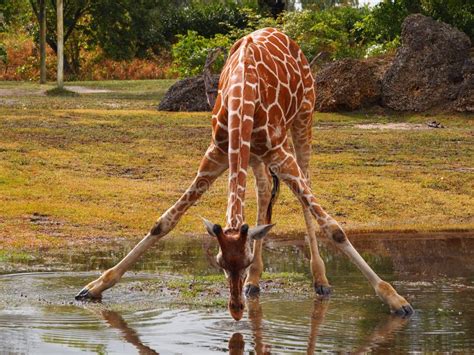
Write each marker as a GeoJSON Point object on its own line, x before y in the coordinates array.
{"type": "Point", "coordinates": [273, 198]}
{"type": "Point", "coordinates": [242, 102]}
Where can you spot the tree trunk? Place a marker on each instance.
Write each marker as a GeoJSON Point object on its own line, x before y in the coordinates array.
{"type": "Point", "coordinates": [211, 92]}
{"type": "Point", "coordinates": [60, 42]}
{"type": "Point", "coordinates": [42, 39]}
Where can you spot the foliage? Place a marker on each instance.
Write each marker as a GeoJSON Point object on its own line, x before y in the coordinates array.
{"type": "Point", "coordinates": [3, 54]}
{"type": "Point", "coordinates": [14, 14]}
{"type": "Point", "coordinates": [21, 61]}
{"type": "Point", "coordinates": [383, 24]}
{"type": "Point", "coordinates": [127, 29]}
{"type": "Point", "coordinates": [190, 52]}
{"type": "Point", "coordinates": [333, 30]}
{"type": "Point", "coordinates": [140, 34]}
{"type": "Point", "coordinates": [378, 49]}
{"type": "Point", "coordinates": [191, 49]}
{"type": "Point", "coordinates": [23, 64]}
{"type": "Point", "coordinates": [75, 27]}
{"type": "Point", "coordinates": [459, 13]}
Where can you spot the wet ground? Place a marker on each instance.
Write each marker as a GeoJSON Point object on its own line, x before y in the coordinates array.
{"type": "Point", "coordinates": [156, 310]}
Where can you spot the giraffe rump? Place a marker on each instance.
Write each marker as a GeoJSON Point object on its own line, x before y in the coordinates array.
{"type": "Point", "coordinates": [241, 109]}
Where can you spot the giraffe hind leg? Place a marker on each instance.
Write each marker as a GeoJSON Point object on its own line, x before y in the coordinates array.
{"type": "Point", "coordinates": [266, 197]}
{"type": "Point", "coordinates": [301, 133]}
{"type": "Point", "coordinates": [293, 176]}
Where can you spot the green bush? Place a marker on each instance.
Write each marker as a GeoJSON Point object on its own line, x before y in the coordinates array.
{"type": "Point", "coordinates": [3, 54]}
{"type": "Point", "coordinates": [190, 52]}
{"type": "Point", "coordinates": [383, 24]}
{"type": "Point", "coordinates": [191, 49]}
{"type": "Point", "coordinates": [333, 30]}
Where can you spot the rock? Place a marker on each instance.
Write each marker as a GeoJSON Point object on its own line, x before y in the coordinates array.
{"type": "Point", "coordinates": [350, 84]}
{"type": "Point", "coordinates": [187, 95]}
{"type": "Point", "coordinates": [465, 100]}
{"type": "Point", "coordinates": [427, 70]}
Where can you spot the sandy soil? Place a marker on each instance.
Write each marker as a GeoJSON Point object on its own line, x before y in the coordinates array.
{"type": "Point", "coordinates": [394, 126]}
{"type": "Point", "coordinates": [84, 90]}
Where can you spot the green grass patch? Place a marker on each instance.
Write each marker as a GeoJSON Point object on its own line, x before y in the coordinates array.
{"type": "Point", "coordinates": [15, 256]}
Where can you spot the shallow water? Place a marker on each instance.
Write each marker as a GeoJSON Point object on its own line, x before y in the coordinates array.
{"type": "Point", "coordinates": [38, 315]}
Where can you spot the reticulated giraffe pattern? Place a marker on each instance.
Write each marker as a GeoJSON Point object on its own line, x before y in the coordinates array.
{"type": "Point", "coordinates": [265, 99]}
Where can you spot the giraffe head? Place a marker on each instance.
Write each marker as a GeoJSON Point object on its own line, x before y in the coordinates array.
{"type": "Point", "coordinates": [235, 257]}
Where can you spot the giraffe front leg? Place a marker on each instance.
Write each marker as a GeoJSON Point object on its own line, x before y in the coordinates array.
{"type": "Point", "coordinates": [264, 195]}
{"type": "Point", "coordinates": [213, 164]}
{"type": "Point", "coordinates": [318, 269]}
{"type": "Point", "coordinates": [290, 172]}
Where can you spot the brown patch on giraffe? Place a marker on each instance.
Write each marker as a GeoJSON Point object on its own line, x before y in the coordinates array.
{"type": "Point", "coordinates": [339, 236]}
{"type": "Point", "coordinates": [385, 289]}
{"type": "Point", "coordinates": [281, 48]}
{"type": "Point", "coordinates": [275, 53]}
{"type": "Point", "coordinates": [108, 276]}
{"type": "Point", "coordinates": [156, 229]}
{"type": "Point", "coordinates": [282, 74]}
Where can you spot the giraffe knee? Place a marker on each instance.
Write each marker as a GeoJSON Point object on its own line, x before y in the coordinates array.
{"type": "Point", "coordinates": [161, 227]}
{"type": "Point", "coordinates": [337, 234]}
{"type": "Point", "coordinates": [157, 229]}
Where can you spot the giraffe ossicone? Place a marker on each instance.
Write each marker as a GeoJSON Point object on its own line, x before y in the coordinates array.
{"type": "Point", "coordinates": [265, 96]}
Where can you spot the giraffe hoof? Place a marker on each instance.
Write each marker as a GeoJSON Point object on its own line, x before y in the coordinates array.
{"type": "Point", "coordinates": [322, 290]}
{"type": "Point", "coordinates": [85, 295]}
{"type": "Point", "coordinates": [405, 311]}
{"type": "Point", "coordinates": [252, 291]}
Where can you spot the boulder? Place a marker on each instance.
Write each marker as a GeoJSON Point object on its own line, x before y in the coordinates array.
{"type": "Point", "coordinates": [465, 99]}
{"type": "Point", "coordinates": [188, 95]}
{"type": "Point", "coordinates": [350, 84]}
{"type": "Point", "coordinates": [427, 71]}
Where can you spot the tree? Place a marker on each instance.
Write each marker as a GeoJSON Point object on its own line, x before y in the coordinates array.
{"type": "Point", "coordinates": [275, 7]}
{"type": "Point", "coordinates": [42, 39]}
{"type": "Point", "coordinates": [74, 11]}
{"type": "Point", "coordinates": [60, 43]}
{"type": "Point", "coordinates": [384, 23]}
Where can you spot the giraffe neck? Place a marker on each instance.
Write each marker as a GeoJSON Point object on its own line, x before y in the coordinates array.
{"type": "Point", "coordinates": [241, 108]}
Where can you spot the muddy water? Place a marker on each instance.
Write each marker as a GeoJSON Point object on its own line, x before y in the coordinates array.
{"type": "Point", "coordinates": [38, 314]}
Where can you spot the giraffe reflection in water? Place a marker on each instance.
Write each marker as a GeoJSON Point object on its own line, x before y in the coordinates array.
{"type": "Point", "coordinates": [382, 333]}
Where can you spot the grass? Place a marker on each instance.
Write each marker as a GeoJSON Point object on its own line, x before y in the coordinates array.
{"type": "Point", "coordinates": [108, 164]}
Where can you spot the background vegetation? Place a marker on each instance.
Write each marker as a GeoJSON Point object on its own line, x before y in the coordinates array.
{"type": "Point", "coordinates": [138, 39]}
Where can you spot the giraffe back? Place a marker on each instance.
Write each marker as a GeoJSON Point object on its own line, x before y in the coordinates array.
{"type": "Point", "coordinates": [285, 87]}
{"type": "Point", "coordinates": [265, 83]}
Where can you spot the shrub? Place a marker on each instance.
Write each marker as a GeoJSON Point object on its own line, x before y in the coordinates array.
{"type": "Point", "coordinates": [191, 49]}
{"type": "Point", "coordinates": [21, 59]}
{"type": "Point", "coordinates": [22, 63]}
{"type": "Point", "coordinates": [383, 24]}
{"type": "Point", "coordinates": [378, 49]}
{"type": "Point", "coordinates": [190, 52]}
{"type": "Point", "coordinates": [333, 30]}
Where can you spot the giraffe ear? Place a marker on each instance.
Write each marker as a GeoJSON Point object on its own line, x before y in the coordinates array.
{"type": "Point", "coordinates": [214, 230]}
{"type": "Point", "coordinates": [258, 232]}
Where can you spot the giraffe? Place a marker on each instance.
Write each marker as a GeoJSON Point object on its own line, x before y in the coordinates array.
{"type": "Point", "coordinates": [266, 94]}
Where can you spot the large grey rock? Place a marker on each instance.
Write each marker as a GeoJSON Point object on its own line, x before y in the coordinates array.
{"type": "Point", "coordinates": [427, 71]}
{"type": "Point", "coordinates": [188, 95]}
{"type": "Point", "coordinates": [349, 84]}
{"type": "Point", "coordinates": [465, 100]}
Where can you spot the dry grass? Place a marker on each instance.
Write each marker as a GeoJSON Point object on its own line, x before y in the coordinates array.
{"type": "Point", "coordinates": [107, 165]}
